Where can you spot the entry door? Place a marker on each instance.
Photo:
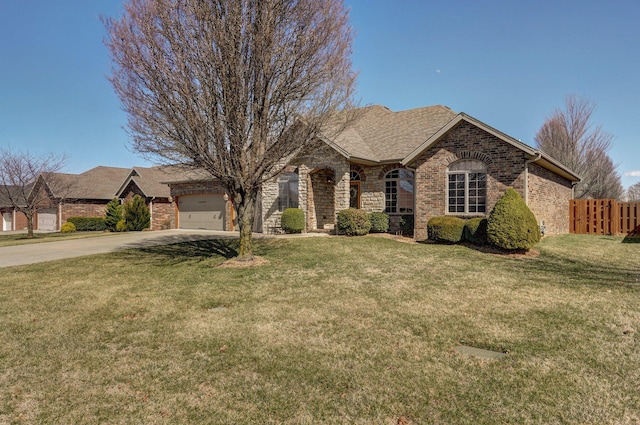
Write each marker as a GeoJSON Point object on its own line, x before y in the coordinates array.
{"type": "Point", "coordinates": [354, 195]}
{"type": "Point", "coordinates": [7, 221]}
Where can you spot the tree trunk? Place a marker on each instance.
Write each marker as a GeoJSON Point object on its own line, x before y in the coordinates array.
{"type": "Point", "coordinates": [29, 226]}
{"type": "Point", "coordinates": [245, 208]}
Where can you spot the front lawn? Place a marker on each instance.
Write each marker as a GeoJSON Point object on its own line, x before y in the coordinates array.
{"type": "Point", "coordinates": [22, 239]}
{"type": "Point", "coordinates": [329, 331]}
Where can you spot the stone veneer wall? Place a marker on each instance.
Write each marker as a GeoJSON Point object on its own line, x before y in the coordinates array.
{"type": "Point", "coordinates": [505, 168]}
{"type": "Point", "coordinates": [321, 159]}
{"type": "Point", "coordinates": [549, 196]}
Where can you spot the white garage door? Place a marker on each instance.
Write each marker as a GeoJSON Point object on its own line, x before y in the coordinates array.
{"type": "Point", "coordinates": [47, 219]}
{"type": "Point", "coordinates": [7, 221]}
{"type": "Point", "coordinates": [202, 212]}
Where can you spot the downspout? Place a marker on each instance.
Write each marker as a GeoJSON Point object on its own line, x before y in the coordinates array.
{"type": "Point", "coordinates": [526, 175]}
{"type": "Point", "coordinates": [413, 170]}
{"type": "Point", "coordinates": [151, 213]}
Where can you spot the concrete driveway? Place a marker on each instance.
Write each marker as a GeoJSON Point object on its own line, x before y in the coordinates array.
{"type": "Point", "coordinates": [49, 251]}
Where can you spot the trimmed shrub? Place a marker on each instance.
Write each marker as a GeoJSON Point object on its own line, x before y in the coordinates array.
{"type": "Point", "coordinates": [136, 214]}
{"type": "Point", "coordinates": [406, 224]}
{"type": "Point", "coordinates": [68, 227]}
{"type": "Point", "coordinates": [353, 222]}
{"type": "Point", "coordinates": [292, 220]}
{"type": "Point", "coordinates": [511, 225]}
{"type": "Point", "coordinates": [121, 226]}
{"type": "Point", "coordinates": [113, 214]}
{"type": "Point", "coordinates": [475, 231]}
{"type": "Point", "coordinates": [379, 222]}
{"type": "Point", "coordinates": [88, 224]}
{"type": "Point", "coordinates": [446, 229]}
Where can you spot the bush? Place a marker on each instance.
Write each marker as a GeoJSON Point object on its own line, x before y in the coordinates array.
{"type": "Point", "coordinates": [353, 222]}
{"type": "Point", "coordinates": [113, 214]}
{"type": "Point", "coordinates": [88, 224]}
{"type": "Point", "coordinates": [292, 220]}
{"type": "Point", "coordinates": [379, 222]}
{"type": "Point", "coordinates": [136, 214]}
{"type": "Point", "coordinates": [68, 227]}
{"type": "Point", "coordinates": [121, 226]}
{"type": "Point", "coordinates": [406, 225]}
{"type": "Point", "coordinates": [511, 225]}
{"type": "Point", "coordinates": [475, 231]}
{"type": "Point", "coordinates": [445, 229]}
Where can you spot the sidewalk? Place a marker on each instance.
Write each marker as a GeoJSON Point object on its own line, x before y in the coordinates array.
{"type": "Point", "coordinates": [18, 255]}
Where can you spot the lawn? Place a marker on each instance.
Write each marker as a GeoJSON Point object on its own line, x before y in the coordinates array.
{"type": "Point", "coordinates": [22, 239]}
{"type": "Point", "coordinates": [328, 331]}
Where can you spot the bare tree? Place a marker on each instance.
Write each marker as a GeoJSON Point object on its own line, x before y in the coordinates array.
{"type": "Point", "coordinates": [27, 182]}
{"type": "Point", "coordinates": [569, 137]}
{"type": "Point", "coordinates": [633, 193]}
{"type": "Point", "coordinates": [235, 87]}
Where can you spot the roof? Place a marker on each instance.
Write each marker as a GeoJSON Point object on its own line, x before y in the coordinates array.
{"type": "Point", "coordinates": [153, 181]}
{"type": "Point", "coordinates": [14, 191]}
{"type": "Point", "coordinates": [97, 183]}
{"type": "Point", "coordinates": [376, 128]}
{"type": "Point", "coordinates": [379, 135]}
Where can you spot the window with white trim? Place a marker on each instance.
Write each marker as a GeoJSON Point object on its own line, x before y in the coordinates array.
{"type": "Point", "coordinates": [399, 185]}
{"type": "Point", "coordinates": [467, 187]}
{"type": "Point", "coordinates": [287, 191]}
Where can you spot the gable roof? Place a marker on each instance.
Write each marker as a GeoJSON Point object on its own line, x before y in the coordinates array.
{"type": "Point", "coordinates": [15, 192]}
{"type": "Point", "coordinates": [536, 155]}
{"type": "Point", "coordinates": [97, 183]}
{"type": "Point", "coordinates": [379, 135]}
{"type": "Point", "coordinates": [152, 181]}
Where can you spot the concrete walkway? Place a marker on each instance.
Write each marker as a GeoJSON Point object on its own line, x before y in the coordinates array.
{"type": "Point", "coordinates": [18, 255]}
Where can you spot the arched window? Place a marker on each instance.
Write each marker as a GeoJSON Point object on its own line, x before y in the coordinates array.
{"type": "Point", "coordinates": [287, 191]}
{"type": "Point", "coordinates": [467, 187]}
{"type": "Point", "coordinates": [399, 191]}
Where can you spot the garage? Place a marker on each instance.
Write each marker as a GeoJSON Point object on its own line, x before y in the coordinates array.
{"type": "Point", "coordinates": [7, 221]}
{"type": "Point", "coordinates": [202, 212]}
{"type": "Point", "coordinates": [47, 219]}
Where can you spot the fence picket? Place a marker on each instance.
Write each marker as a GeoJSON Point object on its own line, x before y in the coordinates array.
{"type": "Point", "coordinates": [603, 216]}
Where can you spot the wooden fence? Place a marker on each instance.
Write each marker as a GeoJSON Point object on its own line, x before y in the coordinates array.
{"type": "Point", "coordinates": [603, 216]}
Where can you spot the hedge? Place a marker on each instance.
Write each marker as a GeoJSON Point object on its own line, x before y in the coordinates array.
{"type": "Point", "coordinates": [88, 224]}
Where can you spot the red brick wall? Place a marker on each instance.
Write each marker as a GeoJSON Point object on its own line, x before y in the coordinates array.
{"type": "Point", "coordinates": [505, 168]}
{"type": "Point", "coordinates": [162, 215]}
{"type": "Point", "coordinates": [549, 196]}
{"type": "Point", "coordinates": [84, 209]}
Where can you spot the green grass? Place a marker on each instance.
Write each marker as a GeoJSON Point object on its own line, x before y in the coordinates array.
{"type": "Point", "coordinates": [22, 239]}
{"type": "Point", "coordinates": [330, 331]}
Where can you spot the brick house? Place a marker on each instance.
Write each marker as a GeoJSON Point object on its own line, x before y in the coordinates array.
{"type": "Point", "coordinates": [423, 163]}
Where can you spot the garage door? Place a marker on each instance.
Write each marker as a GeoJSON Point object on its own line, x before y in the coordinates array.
{"type": "Point", "coordinates": [7, 221]}
{"type": "Point", "coordinates": [47, 219]}
{"type": "Point", "coordinates": [202, 212]}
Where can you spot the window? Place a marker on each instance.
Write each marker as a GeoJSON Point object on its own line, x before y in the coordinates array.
{"type": "Point", "coordinates": [467, 187]}
{"type": "Point", "coordinates": [354, 190]}
{"type": "Point", "coordinates": [287, 191]}
{"type": "Point", "coordinates": [399, 191]}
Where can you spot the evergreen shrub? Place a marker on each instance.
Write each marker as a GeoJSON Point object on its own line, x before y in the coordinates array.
{"type": "Point", "coordinates": [445, 229]}
{"type": "Point", "coordinates": [292, 220]}
{"type": "Point", "coordinates": [511, 224]}
{"type": "Point", "coordinates": [136, 214]}
{"type": "Point", "coordinates": [379, 222]}
{"type": "Point", "coordinates": [353, 222]}
{"type": "Point", "coordinates": [68, 227]}
{"type": "Point", "coordinates": [121, 226]}
{"type": "Point", "coordinates": [88, 224]}
{"type": "Point", "coordinates": [475, 231]}
{"type": "Point", "coordinates": [113, 214]}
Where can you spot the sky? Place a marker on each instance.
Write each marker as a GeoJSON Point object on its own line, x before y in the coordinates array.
{"type": "Point", "coordinates": [508, 63]}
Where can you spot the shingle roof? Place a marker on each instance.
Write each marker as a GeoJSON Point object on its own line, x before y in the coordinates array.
{"type": "Point", "coordinates": [15, 192]}
{"type": "Point", "coordinates": [97, 183]}
{"type": "Point", "coordinates": [378, 134]}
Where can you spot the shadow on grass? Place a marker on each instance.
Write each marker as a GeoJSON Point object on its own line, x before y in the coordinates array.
{"type": "Point", "coordinates": [631, 239]}
{"type": "Point", "coordinates": [180, 252]}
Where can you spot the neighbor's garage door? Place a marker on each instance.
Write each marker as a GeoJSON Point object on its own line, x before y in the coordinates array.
{"type": "Point", "coordinates": [47, 219]}
{"type": "Point", "coordinates": [201, 212]}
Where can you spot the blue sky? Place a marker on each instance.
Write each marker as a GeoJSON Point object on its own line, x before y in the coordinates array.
{"type": "Point", "coordinates": [509, 64]}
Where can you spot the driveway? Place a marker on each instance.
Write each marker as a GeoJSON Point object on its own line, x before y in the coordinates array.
{"type": "Point", "coordinates": [18, 255]}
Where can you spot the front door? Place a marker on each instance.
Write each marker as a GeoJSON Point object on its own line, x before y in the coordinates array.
{"type": "Point", "coordinates": [354, 195]}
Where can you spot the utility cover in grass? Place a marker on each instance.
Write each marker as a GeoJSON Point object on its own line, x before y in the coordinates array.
{"type": "Point", "coordinates": [479, 353]}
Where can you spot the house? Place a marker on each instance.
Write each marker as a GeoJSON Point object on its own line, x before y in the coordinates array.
{"type": "Point", "coordinates": [11, 218]}
{"type": "Point", "coordinates": [418, 164]}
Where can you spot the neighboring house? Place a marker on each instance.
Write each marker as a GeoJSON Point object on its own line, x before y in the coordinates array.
{"type": "Point", "coordinates": [12, 219]}
{"type": "Point", "coordinates": [418, 163]}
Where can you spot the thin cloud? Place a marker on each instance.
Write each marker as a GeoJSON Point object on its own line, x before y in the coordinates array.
{"type": "Point", "coordinates": [634, 173]}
